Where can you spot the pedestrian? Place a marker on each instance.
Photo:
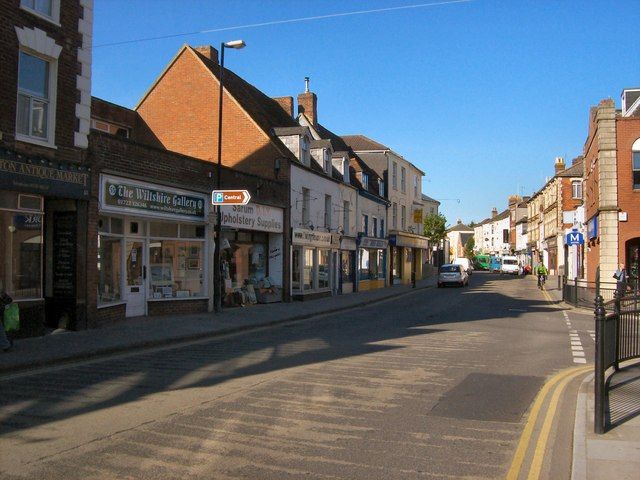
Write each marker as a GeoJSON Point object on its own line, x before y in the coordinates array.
{"type": "Point", "coordinates": [621, 280]}
{"type": "Point", "coordinates": [5, 342]}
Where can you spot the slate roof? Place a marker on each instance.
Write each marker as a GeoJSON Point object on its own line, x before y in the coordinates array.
{"type": "Point", "coordinates": [427, 198]}
{"type": "Point", "coordinates": [575, 170]}
{"type": "Point", "coordinates": [360, 143]}
{"type": "Point", "coordinates": [460, 227]}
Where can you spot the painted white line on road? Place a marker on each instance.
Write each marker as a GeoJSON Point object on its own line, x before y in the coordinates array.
{"type": "Point", "coordinates": [579, 360]}
{"type": "Point", "coordinates": [577, 348]}
{"type": "Point", "coordinates": [578, 354]}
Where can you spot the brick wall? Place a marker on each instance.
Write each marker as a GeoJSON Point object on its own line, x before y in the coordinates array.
{"type": "Point", "coordinates": [628, 131]}
{"type": "Point", "coordinates": [181, 114]}
{"type": "Point", "coordinates": [65, 35]}
{"type": "Point", "coordinates": [568, 203]}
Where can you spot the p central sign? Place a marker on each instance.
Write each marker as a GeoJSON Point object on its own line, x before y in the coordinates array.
{"type": "Point", "coordinates": [230, 197]}
{"type": "Point", "coordinates": [575, 238]}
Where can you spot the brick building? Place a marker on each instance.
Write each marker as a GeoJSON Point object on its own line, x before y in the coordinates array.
{"type": "Point", "coordinates": [612, 186]}
{"type": "Point", "coordinates": [44, 180]}
{"type": "Point", "coordinates": [152, 227]}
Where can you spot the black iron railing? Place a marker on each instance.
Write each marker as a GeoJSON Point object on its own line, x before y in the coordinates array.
{"type": "Point", "coordinates": [582, 293]}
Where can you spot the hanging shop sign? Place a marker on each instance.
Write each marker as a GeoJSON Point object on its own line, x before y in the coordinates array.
{"type": "Point", "coordinates": [123, 195]}
{"type": "Point", "coordinates": [34, 175]}
{"type": "Point", "coordinates": [574, 238]}
{"type": "Point", "coordinates": [253, 217]}
{"type": "Point", "coordinates": [592, 227]}
{"type": "Point", "coordinates": [372, 242]}
{"type": "Point", "coordinates": [302, 236]}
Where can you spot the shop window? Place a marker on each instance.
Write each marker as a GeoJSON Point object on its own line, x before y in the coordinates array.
{"type": "Point", "coordinates": [346, 266]}
{"type": "Point", "coordinates": [109, 269]}
{"type": "Point", "coordinates": [245, 259]}
{"type": "Point", "coordinates": [176, 269]}
{"type": "Point", "coordinates": [191, 231]}
{"type": "Point", "coordinates": [323, 268]}
{"type": "Point", "coordinates": [163, 229]}
{"type": "Point", "coordinates": [296, 267]}
{"type": "Point", "coordinates": [21, 247]}
{"type": "Point", "coordinates": [307, 269]}
{"type": "Point", "coordinates": [371, 264]}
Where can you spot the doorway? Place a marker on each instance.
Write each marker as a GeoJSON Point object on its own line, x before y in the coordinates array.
{"type": "Point", "coordinates": [136, 274]}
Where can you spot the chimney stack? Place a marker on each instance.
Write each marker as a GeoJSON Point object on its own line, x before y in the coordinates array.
{"type": "Point", "coordinates": [308, 103]}
{"type": "Point", "coordinates": [494, 212]}
{"type": "Point", "coordinates": [286, 103]}
{"type": "Point", "coordinates": [559, 165]}
{"type": "Point", "coordinates": [208, 51]}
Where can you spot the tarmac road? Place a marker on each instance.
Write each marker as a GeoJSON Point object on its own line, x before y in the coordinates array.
{"type": "Point", "coordinates": [436, 384]}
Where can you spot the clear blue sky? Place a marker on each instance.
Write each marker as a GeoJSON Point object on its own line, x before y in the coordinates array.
{"type": "Point", "coordinates": [481, 95]}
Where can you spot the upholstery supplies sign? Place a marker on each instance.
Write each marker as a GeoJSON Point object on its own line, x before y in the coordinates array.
{"type": "Point", "coordinates": [253, 217]}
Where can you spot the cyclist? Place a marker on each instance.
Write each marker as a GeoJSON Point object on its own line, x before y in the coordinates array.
{"type": "Point", "coordinates": [542, 273]}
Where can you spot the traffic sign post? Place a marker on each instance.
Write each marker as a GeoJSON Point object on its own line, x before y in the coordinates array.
{"type": "Point", "coordinates": [230, 197]}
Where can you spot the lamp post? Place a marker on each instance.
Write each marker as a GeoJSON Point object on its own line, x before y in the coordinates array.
{"type": "Point", "coordinates": [217, 278]}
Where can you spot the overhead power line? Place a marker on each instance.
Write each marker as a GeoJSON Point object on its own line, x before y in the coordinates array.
{"type": "Point", "coordinates": [280, 22]}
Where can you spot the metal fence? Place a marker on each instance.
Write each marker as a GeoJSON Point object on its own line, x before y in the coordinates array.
{"type": "Point", "coordinates": [582, 293]}
{"type": "Point", "coordinates": [617, 340]}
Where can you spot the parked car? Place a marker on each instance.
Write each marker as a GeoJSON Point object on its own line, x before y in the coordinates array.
{"type": "Point", "coordinates": [510, 265]}
{"type": "Point", "coordinates": [452, 274]}
{"type": "Point", "coordinates": [465, 263]}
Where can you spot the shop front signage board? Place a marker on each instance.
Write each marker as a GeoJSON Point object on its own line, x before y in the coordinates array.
{"type": "Point", "coordinates": [371, 242]}
{"type": "Point", "coordinates": [261, 218]}
{"type": "Point", "coordinates": [131, 196]}
{"type": "Point", "coordinates": [301, 236]}
{"type": "Point", "coordinates": [230, 197]}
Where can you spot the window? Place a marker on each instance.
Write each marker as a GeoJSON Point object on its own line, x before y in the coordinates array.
{"type": "Point", "coordinates": [323, 268]}
{"type": "Point", "coordinates": [109, 269]}
{"type": "Point", "coordinates": [415, 185]}
{"type": "Point", "coordinates": [576, 189]}
{"type": "Point", "coordinates": [365, 181]}
{"type": "Point", "coordinates": [345, 218]}
{"type": "Point", "coordinates": [306, 200]}
{"type": "Point", "coordinates": [394, 175]}
{"type": "Point", "coordinates": [327, 212]}
{"type": "Point", "coordinates": [21, 240]}
{"type": "Point", "coordinates": [403, 218]}
{"type": "Point", "coordinates": [33, 96]}
{"type": "Point", "coordinates": [48, 9]}
{"type": "Point", "coordinates": [403, 179]}
{"type": "Point", "coordinates": [505, 236]}
{"type": "Point", "coordinates": [371, 264]}
{"type": "Point", "coordinates": [327, 161]}
{"type": "Point", "coordinates": [636, 166]}
{"type": "Point", "coordinates": [374, 230]}
{"type": "Point", "coordinates": [176, 268]}
{"type": "Point", "coordinates": [365, 225]}
{"type": "Point", "coordinates": [382, 228]}
{"type": "Point", "coordinates": [395, 215]}
{"type": "Point", "coordinates": [381, 188]}
{"type": "Point", "coordinates": [308, 270]}
{"type": "Point", "coordinates": [110, 128]}
{"type": "Point", "coordinates": [304, 150]}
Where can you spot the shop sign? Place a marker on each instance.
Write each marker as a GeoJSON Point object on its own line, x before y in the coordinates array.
{"type": "Point", "coordinates": [417, 216]}
{"type": "Point", "coordinates": [253, 217]}
{"type": "Point", "coordinates": [301, 236]}
{"type": "Point", "coordinates": [30, 221]}
{"type": "Point", "coordinates": [347, 243]}
{"type": "Point", "coordinates": [371, 242]}
{"type": "Point", "coordinates": [36, 176]}
{"type": "Point", "coordinates": [406, 241]}
{"type": "Point", "coordinates": [137, 197]}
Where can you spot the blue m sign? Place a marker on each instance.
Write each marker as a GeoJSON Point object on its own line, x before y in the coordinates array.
{"type": "Point", "coordinates": [575, 238]}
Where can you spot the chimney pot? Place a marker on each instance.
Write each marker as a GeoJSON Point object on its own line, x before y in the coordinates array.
{"type": "Point", "coordinates": [308, 103]}
{"type": "Point", "coordinates": [494, 212]}
{"type": "Point", "coordinates": [559, 164]}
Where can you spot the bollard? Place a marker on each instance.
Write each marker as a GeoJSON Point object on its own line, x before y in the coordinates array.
{"type": "Point", "coordinates": [599, 389]}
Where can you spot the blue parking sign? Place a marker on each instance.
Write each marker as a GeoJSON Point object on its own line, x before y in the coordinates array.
{"type": "Point", "coordinates": [219, 197]}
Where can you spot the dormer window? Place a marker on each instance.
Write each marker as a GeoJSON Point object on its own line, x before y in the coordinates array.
{"type": "Point", "coordinates": [365, 181]}
{"type": "Point", "coordinates": [345, 170]}
{"type": "Point", "coordinates": [304, 150]}
{"type": "Point", "coordinates": [381, 188]}
{"type": "Point", "coordinates": [327, 161]}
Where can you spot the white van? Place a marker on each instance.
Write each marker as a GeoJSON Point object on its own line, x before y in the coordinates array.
{"type": "Point", "coordinates": [510, 265]}
{"type": "Point", "coordinates": [466, 264]}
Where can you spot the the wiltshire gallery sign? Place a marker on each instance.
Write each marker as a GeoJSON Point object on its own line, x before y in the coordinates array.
{"type": "Point", "coordinates": [132, 196]}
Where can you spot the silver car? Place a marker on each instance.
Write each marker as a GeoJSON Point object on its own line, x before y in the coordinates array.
{"type": "Point", "coordinates": [450, 274]}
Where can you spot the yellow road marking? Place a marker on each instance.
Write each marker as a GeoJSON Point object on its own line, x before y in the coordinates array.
{"type": "Point", "coordinates": [525, 438]}
{"type": "Point", "coordinates": [543, 438]}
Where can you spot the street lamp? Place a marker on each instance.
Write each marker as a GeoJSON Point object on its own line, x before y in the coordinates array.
{"type": "Point", "coordinates": [217, 278]}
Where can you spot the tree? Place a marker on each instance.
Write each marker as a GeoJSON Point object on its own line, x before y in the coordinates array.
{"type": "Point", "coordinates": [435, 227]}
{"type": "Point", "coordinates": [468, 248]}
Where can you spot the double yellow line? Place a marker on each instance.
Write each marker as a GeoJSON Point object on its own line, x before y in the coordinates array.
{"type": "Point", "coordinates": [561, 379]}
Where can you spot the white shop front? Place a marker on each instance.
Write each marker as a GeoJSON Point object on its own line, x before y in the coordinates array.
{"type": "Point", "coordinates": [152, 246]}
{"type": "Point", "coordinates": [314, 262]}
{"type": "Point", "coordinates": [252, 253]}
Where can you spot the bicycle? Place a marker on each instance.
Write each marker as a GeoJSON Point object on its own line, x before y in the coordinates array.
{"type": "Point", "coordinates": [541, 279]}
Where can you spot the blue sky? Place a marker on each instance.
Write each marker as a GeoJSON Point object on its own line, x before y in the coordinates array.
{"type": "Point", "coordinates": [481, 95]}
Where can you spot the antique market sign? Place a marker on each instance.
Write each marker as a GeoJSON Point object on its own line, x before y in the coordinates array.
{"type": "Point", "coordinates": [36, 175]}
{"type": "Point", "coordinates": [253, 217]}
{"type": "Point", "coordinates": [138, 197]}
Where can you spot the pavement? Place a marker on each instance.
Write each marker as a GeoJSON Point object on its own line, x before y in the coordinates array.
{"type": "Point", "coordinates": [146, 332]}
{"type": "Point", "coordinates": [615, 454]}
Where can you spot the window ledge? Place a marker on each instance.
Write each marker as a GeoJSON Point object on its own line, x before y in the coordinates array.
{"type": "Point", "coordinates": [111, 304]}
{"type": "Point", "coordinates": [36, 141]}
{"type": "Point", "coordinates": [173, 299]}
